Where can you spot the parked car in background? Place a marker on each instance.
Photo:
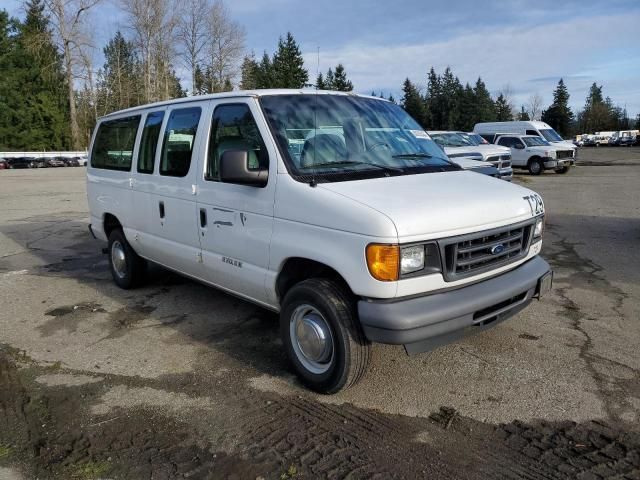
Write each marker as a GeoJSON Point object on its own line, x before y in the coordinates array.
{"type": "Point", "coordinates": [71, 162]}
{"type": "Point", "coordinates": [489, 131]}
{"type": "Point", "coordinates": [21, 162]}
{"type": "Point", "coordinates": [456, 144]}
{"type": "Point", "coordinates": [55, 162]}
{"type": "Point", "coordinates": [368, 233]}
{"type": "Point", "coordinates": [3, 164]}
{"type": "Point", "coordinates": [535, 154]}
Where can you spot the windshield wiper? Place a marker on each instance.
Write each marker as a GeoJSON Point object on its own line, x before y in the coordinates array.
{"type": "Point", "coordinates": [348, 162]}
{"type": "Point", "coordinates": [412, 155]}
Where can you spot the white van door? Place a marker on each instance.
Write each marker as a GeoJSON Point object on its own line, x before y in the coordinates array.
{"type": "Point", "coordinates": [174, 229]}
{"type": "Point", "coordinates": [236, 221]}
{"type": "Point", "coordinates": [142, 181]}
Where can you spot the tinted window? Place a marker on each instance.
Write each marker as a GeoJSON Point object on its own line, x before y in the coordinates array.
{"type": "Point", "coordinates": [179, 137]}
{"type": "Point", "coordinates": [149, 142]}
{"type": "Point", "coordinates": [508, 141]}
{"type": "Point", "coordinates": [234, 128]}
{"type": "Point", "coordinates": [489, 137]}
{"type": "Point", "coordinates": [533, 132]}
{"type": "Point", "coordinates": [113, 146]}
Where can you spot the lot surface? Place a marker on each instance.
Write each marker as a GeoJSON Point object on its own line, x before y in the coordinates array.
{"type": "Point", "coordinates": [179, 380]}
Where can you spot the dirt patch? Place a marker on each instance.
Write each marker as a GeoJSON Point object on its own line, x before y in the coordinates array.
{"type": "Point", "coordinates": [51, 432]}
{"type": "Point", "coordinates": [68, 317]}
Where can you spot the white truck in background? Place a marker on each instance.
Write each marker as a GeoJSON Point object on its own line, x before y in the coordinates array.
{"type": "Point", "coordinates": [534, 153]}
{"type": "Point", "coordinates": [489, 131]}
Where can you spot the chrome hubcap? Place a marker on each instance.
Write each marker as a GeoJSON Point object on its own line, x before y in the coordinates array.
{"type": "Point", "coordinates": [311, 339]}
{"type": "Point", "coordinates": [118, 259]}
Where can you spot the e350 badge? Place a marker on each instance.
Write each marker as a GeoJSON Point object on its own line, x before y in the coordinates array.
{"type": "Point", "coordinates": [535, 204]}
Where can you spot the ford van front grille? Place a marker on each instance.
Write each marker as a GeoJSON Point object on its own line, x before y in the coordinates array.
{"type": "Point", "coordinates": [480, 252]}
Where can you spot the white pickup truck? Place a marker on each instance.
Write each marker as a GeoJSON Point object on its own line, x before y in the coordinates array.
{"type": "Point", "coordinates": [367, 235]}
{"type": "Point", "coordinates": [458, 144]}
{"type": "Point", "coordinates": [535, 154]}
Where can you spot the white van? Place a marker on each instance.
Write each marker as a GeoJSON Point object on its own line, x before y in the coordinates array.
{"type": "Point", "coordinates": [367, 233]}
{"type": "Point", "coordinates": [541, 129]}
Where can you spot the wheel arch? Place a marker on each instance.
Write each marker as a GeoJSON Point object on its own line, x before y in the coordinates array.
{"type": "Point", "coordinates": [297, 269]}
{"type": "Point", "coordinates": [109, 223]}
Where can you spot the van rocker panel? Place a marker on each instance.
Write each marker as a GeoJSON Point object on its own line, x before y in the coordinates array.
{"type": "Point", "coordinates": [425, 322]}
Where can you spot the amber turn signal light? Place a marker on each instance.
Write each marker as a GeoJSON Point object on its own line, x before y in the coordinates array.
{"type": "Point", "coordinates": [383, 261]}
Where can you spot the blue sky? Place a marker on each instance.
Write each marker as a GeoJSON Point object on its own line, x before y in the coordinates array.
{"type": "Point", "coordinates": [524, 44]}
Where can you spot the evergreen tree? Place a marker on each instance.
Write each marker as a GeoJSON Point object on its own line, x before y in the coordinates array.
{"type": "Point", "coordinates": [265, 77]}
{"type": "Point", "coordinates": [249, 73]}
{"type": "Point", "coordinates": [451, 91]}
{"type": "Point", "coordinates": [119, 86]}
{"type": "Point", "coordinates": [391, 99]}
{"type": "Point", "coordinates": [503, 110]}
{"type": "Point", "coordinates": [413, 103]}
{"type": "Point", "coordinates": [433, 101]}
{"type": "Point", "coordinates": [288, 64]}
{"type": "Point", "coordinates": [484, 107]}
{"type": "Point", "coordinates": [523, 115]}
{"type": "Point", "coordinates": [320, 84]}
{"type": "Point", "coordinates": [466, 109]}
{"type": "Point", "coordinates": [559, 115]}
{"type": "Point", "coordinates": [34, 112]}
{"type": "Point", "coordinates": [595, 115]}
{"type": "Point", "coordinates": [328, 80]}
{"type": "Point", "coordinates": [340, 81]}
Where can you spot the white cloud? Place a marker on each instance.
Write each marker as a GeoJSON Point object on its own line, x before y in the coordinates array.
{"type": "Point", "coordinates": [510, 55]}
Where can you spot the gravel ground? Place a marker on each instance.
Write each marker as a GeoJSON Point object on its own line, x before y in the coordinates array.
{"type": "Point", "coordinates": [179, 380]}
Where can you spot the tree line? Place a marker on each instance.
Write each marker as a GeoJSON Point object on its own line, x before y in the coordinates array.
{"type": "Point", "coordinates": [51, 93]}
{"type": "Point", "coordinates": [445, 104]}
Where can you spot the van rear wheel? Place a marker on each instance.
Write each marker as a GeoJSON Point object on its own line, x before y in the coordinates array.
{"type": "Point", "coordinates": [322, 336]}
{"type": "Point", "coordinates": [127, 267]}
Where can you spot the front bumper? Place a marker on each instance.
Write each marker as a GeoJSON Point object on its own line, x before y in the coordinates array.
{"type": "Point", "coordinates": [426, 322]}
{"type": "Point", "coordinates": [550, 162]}
{"type": "Point", "coordinates": [506, 174]}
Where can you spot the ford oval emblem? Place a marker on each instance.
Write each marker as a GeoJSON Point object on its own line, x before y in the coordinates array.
{"type": "Point", "coordinates": [497, 249]}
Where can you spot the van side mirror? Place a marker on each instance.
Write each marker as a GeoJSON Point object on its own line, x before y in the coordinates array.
{"type": "Point", "coordinates": [234, 168]}
{"type": "Point", "coordinates": [519, 146]}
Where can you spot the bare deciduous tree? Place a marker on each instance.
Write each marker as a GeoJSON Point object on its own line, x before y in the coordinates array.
{"type": "Point", "coordinates": [192, 34]}
{"type": "Point", "coordinates": [225, 46]}
{"type": "Point", "coordinates": [534, 106]}
{"type": "Point", "coordinates": [507, 93]}
{"type": "Point", "coordinates": [73, 41]}
{"type": "Point", "coordinates": [153, 24]}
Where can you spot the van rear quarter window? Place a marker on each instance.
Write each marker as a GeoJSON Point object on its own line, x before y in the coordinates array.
{"type": "Point", "coordinates": [113, 146]}
{"type": "Point", "coordinates": [149, 142]}
{"type": "Point", "coordinates": [179, 137]}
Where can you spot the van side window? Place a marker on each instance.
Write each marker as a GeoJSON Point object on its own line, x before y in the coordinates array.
{"type": "Point", "coordinates": [234, 128]}
{"type": "Point", "coordinates": [113, 146]}
{"type": "Point", "coordinates": [177, 146]}
{"type": "Point", "coordinates": [533, 132]}
{"type": "Point", "coordinates": [149, 142]}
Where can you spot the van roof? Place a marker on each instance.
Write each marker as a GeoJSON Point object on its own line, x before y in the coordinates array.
{"type": "Point", "coordinates": [239, 94]}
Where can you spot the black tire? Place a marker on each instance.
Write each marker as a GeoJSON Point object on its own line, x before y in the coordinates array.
{"type": "Point", "coordinates": [351, 350]}
{"type": "Point", "coordinates": [133, 273]}
{"type": "Point", "coordinates": [561, 170]}
{"type": "Point", "coordinates": [535, 166]}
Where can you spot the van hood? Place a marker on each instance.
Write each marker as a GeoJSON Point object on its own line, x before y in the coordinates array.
{"type": "Point", "coordinates": [437, 205]}
{"type": "Point", "coordinates": [491, 150]}
{"type": "Point", "coordinates": [564, 144]}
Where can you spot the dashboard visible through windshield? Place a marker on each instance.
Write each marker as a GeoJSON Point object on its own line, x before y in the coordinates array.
{"type": "Point", "coordinates": [344, 137]}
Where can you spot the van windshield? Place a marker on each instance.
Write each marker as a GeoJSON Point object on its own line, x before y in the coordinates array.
{"type": "Point", "coordinates": [339, 137]}
{"type": "Point", "coordinates": [550, 135]}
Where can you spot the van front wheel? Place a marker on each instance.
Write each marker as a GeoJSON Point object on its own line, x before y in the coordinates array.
{"type": "Point", "coordinates": [127, 268]}
{"type": "Point", "coordinates": [322, 336]}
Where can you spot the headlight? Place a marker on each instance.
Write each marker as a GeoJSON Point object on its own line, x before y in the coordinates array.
{"type": "Point", "coordinates": [411, 259]}
{"type": "Point", "coordinates": [389, 263]}
{"type": "Point", "coordinates": [539, 228]}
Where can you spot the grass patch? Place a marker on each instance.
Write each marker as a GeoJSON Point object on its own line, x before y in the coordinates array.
{"type": "Point", "coordinates": [5, 450]}
{"type": "Point", "coordinates": [90, 470]}
{"type": "Point", "coordinates": [292, 472]}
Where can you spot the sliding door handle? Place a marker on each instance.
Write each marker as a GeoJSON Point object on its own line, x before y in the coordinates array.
{"type": "Point", "coordinates": [203, 218]}
{"type": "Point", "coordinates": [161, 209]}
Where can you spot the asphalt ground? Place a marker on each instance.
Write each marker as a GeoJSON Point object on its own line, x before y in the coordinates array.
{"type": "Point", "coordinates": [176, 379]}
